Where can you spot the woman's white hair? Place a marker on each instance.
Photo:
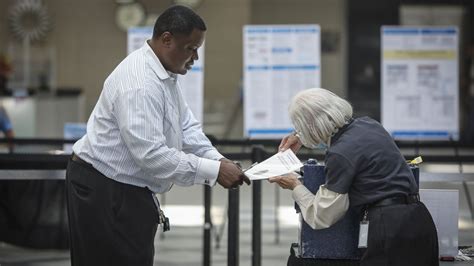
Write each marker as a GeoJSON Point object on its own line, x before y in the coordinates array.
{"type": "Point", "coordinates": [317, 114]}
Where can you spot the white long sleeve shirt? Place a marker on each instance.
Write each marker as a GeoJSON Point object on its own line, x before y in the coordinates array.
{"type": "Point", "coordinates": [142, 132]}
{"type": "Point", "coordinates": [322, 210]}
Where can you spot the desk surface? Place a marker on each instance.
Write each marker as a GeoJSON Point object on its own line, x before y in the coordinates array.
{"type": "Point", "coordinates": [32, 174]}
{"type": "Point", "coordinates": [446, 177]}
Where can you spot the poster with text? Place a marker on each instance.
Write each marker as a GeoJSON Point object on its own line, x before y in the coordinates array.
{"type": "Point", "coordinates": [420, 82]}
{"type": "Point", "coordinates": [279, 61]}
{"type": "Point", "coordinates": [192, 84]}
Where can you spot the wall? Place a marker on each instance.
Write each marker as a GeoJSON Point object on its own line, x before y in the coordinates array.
{"type": "Point", "coordinates": [3, 24]}
{"type": "Point", "coordinates": [329, 14]}
{"type": "Point", "coordinates": [88, 44]}
{"type": "Point", "coordinates": [225, 20]}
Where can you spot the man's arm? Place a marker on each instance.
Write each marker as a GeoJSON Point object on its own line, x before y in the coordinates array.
{"type": "Point", "coordinates": [194, 139]}
{"type": "Point", "coordinates": [140, 116]}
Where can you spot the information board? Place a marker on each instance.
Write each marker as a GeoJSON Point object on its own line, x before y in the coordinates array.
{"type": "Point", "coordinates": [279, 61]}
{"type": "Point", "coordinates": [192, 84]}
{"type": "Point", "coordinates": [420, 82]}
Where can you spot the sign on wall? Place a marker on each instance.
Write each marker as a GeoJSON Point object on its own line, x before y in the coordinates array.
{"type": "Point", "coordinates": [192, 84]}
{"type": "Point", "coordinates": [279, 61]}
{"type": "Point", "coordinates": [420, 82]}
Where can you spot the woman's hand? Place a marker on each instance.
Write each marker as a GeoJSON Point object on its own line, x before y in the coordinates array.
{"type": "Point", "coordinates": [290, 142]}
{"type": "Point", "coordinates": [288, 181]}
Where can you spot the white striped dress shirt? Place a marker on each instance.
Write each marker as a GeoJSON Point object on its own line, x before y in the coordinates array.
{"type": "Point", "coordinates": [142, 132]}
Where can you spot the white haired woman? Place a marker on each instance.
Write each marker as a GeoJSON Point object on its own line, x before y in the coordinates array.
{"type": "Point", "coordinates": [366, 171]}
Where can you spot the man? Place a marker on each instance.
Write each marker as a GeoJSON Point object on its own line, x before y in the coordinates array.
{"type": "Point", "coordinates": [141, 139]}
{"type": "Point", "coordinates": [6, 127]}
{"type": "Point", "coordinates": [5, 124]}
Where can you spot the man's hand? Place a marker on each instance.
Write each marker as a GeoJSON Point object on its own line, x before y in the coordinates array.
{"type": "Point", "coordinates": [231, 175]}
{"type": "Point", "coordinates": [227, 161]}
{"type": "Point", "coordinates": [288, 181]}
{"type": "Point", "coordinates": [290, 142]}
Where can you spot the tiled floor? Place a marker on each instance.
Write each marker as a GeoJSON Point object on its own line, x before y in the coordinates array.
{"type": "Point", "coordinates": [183, 244]}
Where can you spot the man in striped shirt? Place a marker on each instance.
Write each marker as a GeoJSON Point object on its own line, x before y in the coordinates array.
{"type": "Point", "coordinates": [141, 139]}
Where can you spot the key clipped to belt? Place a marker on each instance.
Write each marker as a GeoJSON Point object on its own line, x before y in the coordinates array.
{"type": "Point", "coordinates": [164, 221]}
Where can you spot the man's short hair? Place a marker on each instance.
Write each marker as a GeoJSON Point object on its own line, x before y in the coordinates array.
{"type": "Point", "coordinates": [178, 20]}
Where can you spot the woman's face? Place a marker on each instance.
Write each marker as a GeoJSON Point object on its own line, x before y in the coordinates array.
{"type": "Point", "coordinates": [308, 143]}
{"type": "Point", "coordinates": [303, 139]}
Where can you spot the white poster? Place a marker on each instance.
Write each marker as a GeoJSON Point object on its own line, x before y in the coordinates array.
{"type": "Point", "coordinates": [192, 84]}
{"type": "Point", "coordinates": [279, 61]}
{"type": "Point", "coordinates": [420, 82]}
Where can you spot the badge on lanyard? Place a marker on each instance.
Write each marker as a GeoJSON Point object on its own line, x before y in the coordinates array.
{"type": "Point", "coordinates": [364, 231]}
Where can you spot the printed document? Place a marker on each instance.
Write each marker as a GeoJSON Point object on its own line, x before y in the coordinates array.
{"type": "Point", "coordinates": [279, 164]}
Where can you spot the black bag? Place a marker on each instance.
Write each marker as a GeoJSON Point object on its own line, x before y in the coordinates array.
{"type": "Point", "coordinates": [336, 242]}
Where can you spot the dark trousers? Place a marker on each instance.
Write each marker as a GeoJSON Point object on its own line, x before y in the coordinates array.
{"type": "Point", "coordinates": [401, 235]}
{"type": "Point", "coordinates": [110, 223]}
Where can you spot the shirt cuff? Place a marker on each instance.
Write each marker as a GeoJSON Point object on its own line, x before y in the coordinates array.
{"type": "Point", "coordinates": [207, 172]}
{"type": "Point", "coordinates": [302, 196]}
{"type": "Point", "coordinates": [213, 155]}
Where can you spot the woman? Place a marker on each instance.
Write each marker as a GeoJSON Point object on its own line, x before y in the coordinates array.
{"type": "Point", "coordinates": [366, 171]}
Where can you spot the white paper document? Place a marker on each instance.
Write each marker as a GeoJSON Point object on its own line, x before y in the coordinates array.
{"type": "Point", "coordinates": [279, 164]}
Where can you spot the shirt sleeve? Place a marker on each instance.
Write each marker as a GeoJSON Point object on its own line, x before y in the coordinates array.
{"type": "Point", "coordinates": [196, 142]}
{"type": "Point", "coordinates": [194, 139]}
{"type": "Point", "coordinates": [140, 117]}
{"type": "Point", "coordinates": [339, 173]}
{"type": "Point", "coordinates": [322, 210]}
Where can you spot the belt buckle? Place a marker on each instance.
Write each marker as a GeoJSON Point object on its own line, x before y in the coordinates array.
{"type": "Point", "coordinates": [76, 158]}
{"type": "Point", "coordinates": [413, 198]}
{"type": "Point", "coordinates": [416, 197]}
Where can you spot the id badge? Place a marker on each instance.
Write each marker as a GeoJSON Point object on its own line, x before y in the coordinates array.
{"type": "Point", "coordinates": [363, 234]}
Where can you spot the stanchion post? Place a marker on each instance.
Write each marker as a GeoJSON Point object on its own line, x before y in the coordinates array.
{"type": "Point", "coordinates": [277, 215]}
{"type": "Point", "coordinates": [258, 154]}
{"type": "Point", "coordinates": [233, 230]}
{"type": "Point", "coordinates": [206, 256]}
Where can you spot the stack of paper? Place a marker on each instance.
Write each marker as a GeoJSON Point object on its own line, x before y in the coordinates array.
{"type": "Point", "coordinates": [279, 164]}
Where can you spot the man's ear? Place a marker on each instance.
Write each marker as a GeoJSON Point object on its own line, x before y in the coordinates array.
{"type": "Point", "coordinates": [167, 38]}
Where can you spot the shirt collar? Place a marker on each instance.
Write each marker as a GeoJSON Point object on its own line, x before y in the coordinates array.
{"type": "Point", "coordinates": [157, 66]}
{"type": "Point", "coordinates": [336, 136]}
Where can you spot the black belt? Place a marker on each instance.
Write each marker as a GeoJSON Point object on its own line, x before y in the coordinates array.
{"type": "Point", "coordinates": [407, 199]}
{"type": "Point", "coordinates": [78, 159]}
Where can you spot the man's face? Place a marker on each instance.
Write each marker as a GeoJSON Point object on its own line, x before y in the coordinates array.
{"type": "Point", "coordinates": [182, 51]}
